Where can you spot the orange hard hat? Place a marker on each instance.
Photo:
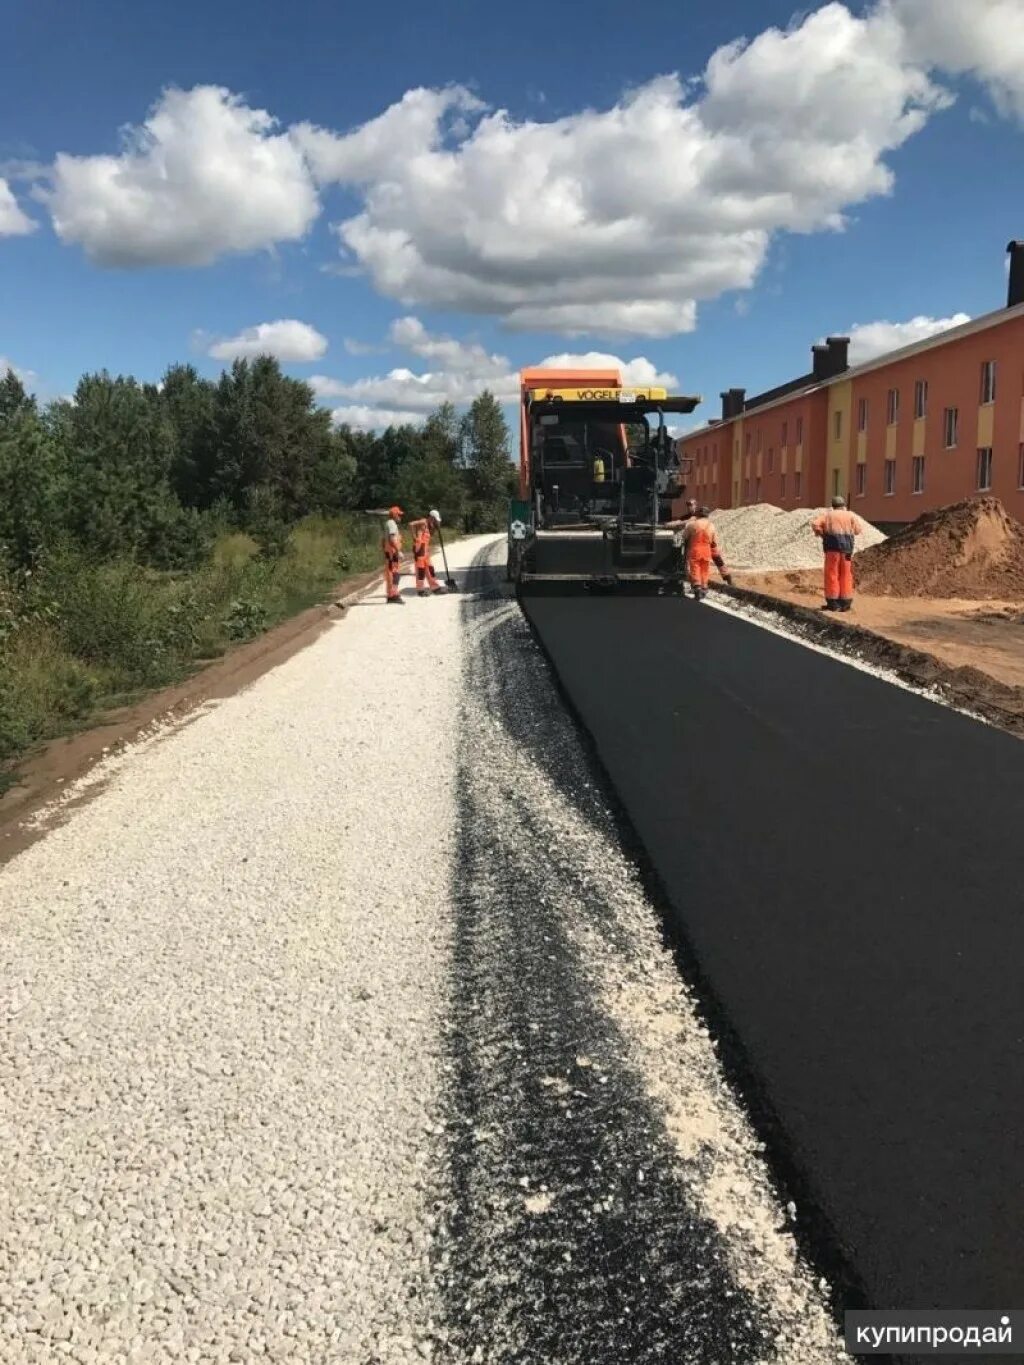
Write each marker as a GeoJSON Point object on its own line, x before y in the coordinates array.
{"type": "Point", "coordinates": [395, 512]}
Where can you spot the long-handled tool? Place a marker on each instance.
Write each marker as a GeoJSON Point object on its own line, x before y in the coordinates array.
{"type": "Point", "coordinates": [449, 582]}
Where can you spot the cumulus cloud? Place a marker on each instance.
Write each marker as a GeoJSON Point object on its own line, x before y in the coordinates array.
{"type": "Point", "coordinates": [871, 339]}
{"type": "Point", "coordinates": [204, 175]}
{"type": "Point", "coordinates": [362, 418]}
{"type": "Point", "coordinates": [286, 339]}
{"type": "Point", "coordinates": [983, 39]}
{"type": "Point", "coordinates": [458, 372]}
{"type": "Point", "coordinates": [14, 222]}
{"type": "Point", "coordinates": [619, 221]}
{"type": "Point", "coordinates": [28, 377]}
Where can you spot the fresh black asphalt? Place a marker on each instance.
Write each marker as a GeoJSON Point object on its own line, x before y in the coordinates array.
{"type": "Point", "coordinates": [843, 862]}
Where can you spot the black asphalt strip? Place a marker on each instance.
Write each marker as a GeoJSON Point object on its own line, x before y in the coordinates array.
{"type": "Point", "coordinates": [570, 1233]}
{"type": "Point", "coordinates": [843, 861]}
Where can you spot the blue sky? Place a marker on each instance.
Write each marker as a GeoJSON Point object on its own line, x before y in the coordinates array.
{"type": "Point", "coordinates": [635, 205]}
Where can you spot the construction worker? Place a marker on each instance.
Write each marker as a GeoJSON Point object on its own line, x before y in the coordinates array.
{"type": "Point", "coordinates": [838, 529]}
{"type": "Point", "coordinates": [679, 526]}
{"type": "Point", "coordinates": [426, 582]}
{"type": "Point", "coordinates": [700, 540]}
{"type": "Point", "coordinates": [392, 547]}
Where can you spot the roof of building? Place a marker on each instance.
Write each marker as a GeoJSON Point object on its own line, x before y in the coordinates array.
{"type": "Point", "coordinates": [808, 384]}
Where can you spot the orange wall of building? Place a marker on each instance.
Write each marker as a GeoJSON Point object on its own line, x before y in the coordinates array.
{"type": "Point", "coordinates": [953, 375]}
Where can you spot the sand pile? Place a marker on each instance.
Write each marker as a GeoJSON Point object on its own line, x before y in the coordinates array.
{"type": "Point", "coordinates": [971, 549]}
{"type": "Point", "coordinates": [764, 537]}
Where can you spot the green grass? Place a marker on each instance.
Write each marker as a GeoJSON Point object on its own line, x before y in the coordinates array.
{"type": "Point", "coordinates": [78, 638]}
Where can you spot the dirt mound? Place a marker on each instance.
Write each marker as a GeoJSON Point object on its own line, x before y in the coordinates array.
{"type": "Point", "coordinates": [972, 549]}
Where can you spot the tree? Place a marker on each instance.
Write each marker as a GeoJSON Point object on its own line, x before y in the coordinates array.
{"type": "Point", "coordinates": [491, 476]}
{"type": "Point", "coordinates": [30, 487]}
{"type": "Point", "coordinates": [190, 402]}
{"type": "Point", "coordinates": [13, 398]}
{"type": "Point", "coordinates": [119, 460]}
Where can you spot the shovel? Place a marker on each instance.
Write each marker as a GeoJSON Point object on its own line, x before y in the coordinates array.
{"type": "Point", "coordinates": [449, 582]}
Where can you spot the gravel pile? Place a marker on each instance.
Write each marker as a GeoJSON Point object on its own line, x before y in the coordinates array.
{"type": "Point", "coordinates": [221, 988]}
{"type": "Point", "coordinates": [764, 538]}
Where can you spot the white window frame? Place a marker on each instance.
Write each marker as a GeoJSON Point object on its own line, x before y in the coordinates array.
{"type": "Point", "coordinates": [917, 469]}
{"type": "Point", "coordinates": [921, 398]}
{"type": "Point", "coordinates": [862, 414]}
{"type": "Point", "coordinates": [951, 427]}
{"type": "Point", "coordinates": [1020, 466]}
{"type": "Point", "coordinates": [782, 485]}
{"type": "Point", "coordinates": [889, 478]}
{"type": "Point", "coordinates": [862, 479]}
{"type": "Point", "coordinates": [798, 479]}
{"type": "Point", "coordinates": [980, 487]}
{"type": "Point", "coordinates": [892, 407]}
{"type": "Point", "coordinates": [988, 382]}
{"type": "Point", "coordinates": [837, 425]}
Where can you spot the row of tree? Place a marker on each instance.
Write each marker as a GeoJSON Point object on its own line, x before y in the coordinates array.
{"type": "Point", "coordinates": [147, 471]}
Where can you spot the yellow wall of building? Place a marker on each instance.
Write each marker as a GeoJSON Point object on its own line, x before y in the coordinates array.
{"type": "Point", "coordinates": [840, 401]}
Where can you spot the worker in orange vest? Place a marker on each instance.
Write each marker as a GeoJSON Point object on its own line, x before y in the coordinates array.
{"type": "Point", "coordinates": [700, 540]}
{"type": "Point", "coordinates": [392, 547]}
{"type": "Point", "coordinates": [426, 582]}
{"type": "Point", "coordinates": [837, 530]}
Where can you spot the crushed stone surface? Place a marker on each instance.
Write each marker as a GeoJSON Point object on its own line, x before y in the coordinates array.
{"type": "Point", "coordinates": [765, 537]}
{"type": "Point", "coordinates": [338, 1027]}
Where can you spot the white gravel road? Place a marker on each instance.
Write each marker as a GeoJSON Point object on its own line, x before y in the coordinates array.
{"type": "Point", "coordinates": [271, 1003]}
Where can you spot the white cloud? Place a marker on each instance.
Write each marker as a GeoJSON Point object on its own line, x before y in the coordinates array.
{"type": "Point", "coordinates": [286, 339]}
{"type": "Point", "coordinates": [204, 175]}
{"type": "Point", "coordinates": [363, 418]}
{"type": "Point", "coordinates": [28, 377]}
{"type": "Point", "coordinates": [983, 39]}
{"type": "Point", "coordinates": [355, 347]}
{"type": "Point", "coordinates": [14, 222]}
{"type": "Point", "coordinates": [618, 222]}
{"type": "Point", "coordinates": [459, 372]}
{"type": "Point", "coordinates": [637, 373]}
{"type": "Point", "coordinates": [871, 339]}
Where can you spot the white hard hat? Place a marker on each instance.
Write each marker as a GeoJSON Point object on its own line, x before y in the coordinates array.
{"type": "Point", "coordinates": [435, 515]}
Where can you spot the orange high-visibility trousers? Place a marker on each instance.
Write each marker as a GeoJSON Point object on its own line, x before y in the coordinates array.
{"type": "Point", "coordinates": [425, 577]}
{"type": "Point", "coordinates": [392, 569]}
{"type": "Point", "coordinates": [838, 577]}
{"type": "Point", "coordinates": [698, 567]}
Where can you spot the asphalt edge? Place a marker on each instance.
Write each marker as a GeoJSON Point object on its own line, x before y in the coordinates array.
{"type": "Point", "coordinates": [964, 689]}
{"type": "Point", "coordinates": [817, 1240]}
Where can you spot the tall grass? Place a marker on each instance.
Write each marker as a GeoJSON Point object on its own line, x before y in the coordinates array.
{"type": "Point", "coordinates": [77, 636]}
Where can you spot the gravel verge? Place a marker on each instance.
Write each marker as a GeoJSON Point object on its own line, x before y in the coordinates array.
{"type": "Point", "coordinates": [608, 1200]}
{"type": "Point", "coordinates": [222, 984]}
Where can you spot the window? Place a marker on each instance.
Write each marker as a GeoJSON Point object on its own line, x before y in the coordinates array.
{"type": "Point", "coordinates": [1020, 467]}
{"type": "Point", "coordinates": [920, 397]}
{"type": "Point", "coordinates": [918, 474]}
{"type": "Point", "coordinates": [760, 440]}
{"type": "Point", "coordinates": [984, 479]}
{"type": "Point", "coordinates": [893, 407]}
{"type": "Point", "coordinates": [746, 490]}
{"type": "Point", "coordinates": [862, 414]}
{"type": "Point", "coordinates": [757, 489]}
{"type": "Point", "coordinates": [988, 381]}
{"type": "Point", "coordinates": [785, 434]}
{"type": "Point", "coordinates": [890, 478]}
{"type": "Point", "coordinates": [798, 479]}
{"type": "Point", "coordinates": [746, 444]}
{"type": "Point", "coordinates": [771, 458]}
{"type": "Point", "coordinates": [799, 431]}
{"type": "Point", "coordinates": [782, 477]}
{"type": "Point", "coordinates": [862, 480]}
{"type": "Point", "coordinates": [835, 483]}
{"type": "Point", "coordinates": [951, 427]}
{"type": "Point", "coordinates": [838, 425]}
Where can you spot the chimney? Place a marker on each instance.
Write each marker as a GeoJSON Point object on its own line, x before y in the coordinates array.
{"type": "Point", "coordinates": [839, 351]}
{"type": "Point", "coordinates": [830, 358]}
{"type": "Point", "coordinates": [1016, 288]}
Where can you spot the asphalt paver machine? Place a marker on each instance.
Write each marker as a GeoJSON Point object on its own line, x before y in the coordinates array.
{"type": "Point", "coordinates": [598, 474]}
